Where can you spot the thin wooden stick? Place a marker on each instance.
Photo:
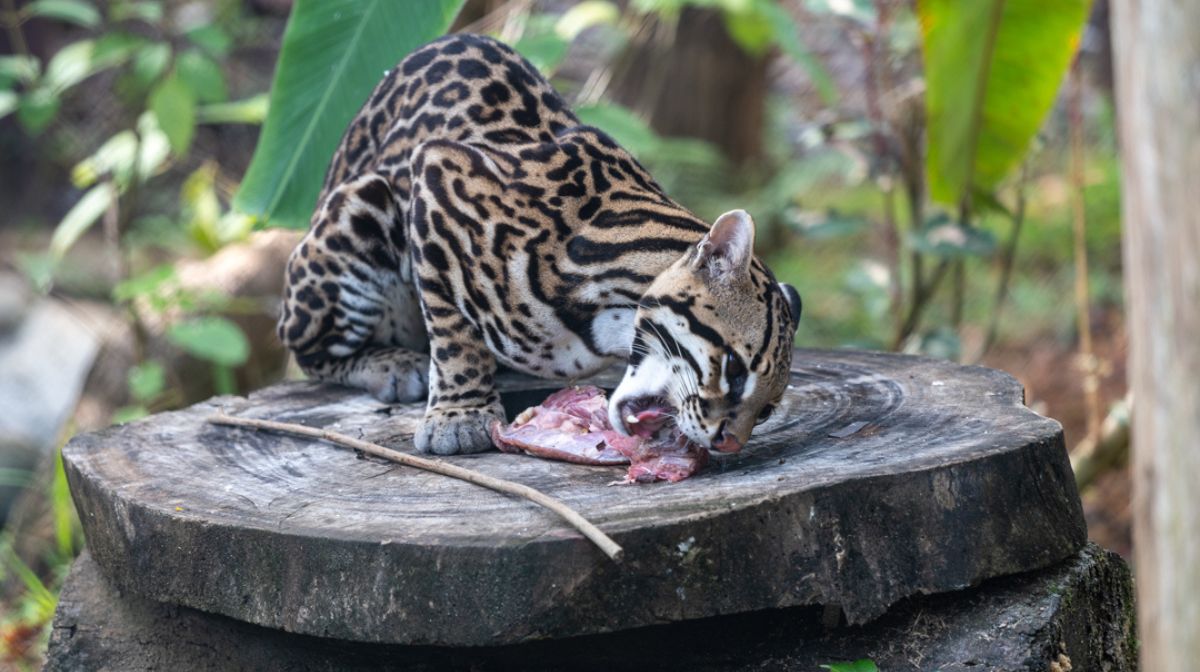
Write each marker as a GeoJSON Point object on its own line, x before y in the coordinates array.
{"type": "Point", "coordinates": [606, 544]}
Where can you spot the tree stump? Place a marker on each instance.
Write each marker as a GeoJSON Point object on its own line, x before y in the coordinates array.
{"type": "Point", "coordinates": [880, 477]}
{"type": "Point", "coordinates": [1079, 611]}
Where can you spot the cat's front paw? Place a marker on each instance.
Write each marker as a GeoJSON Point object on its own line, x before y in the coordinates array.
{"type": "Point", "coordinates": [456, 431]}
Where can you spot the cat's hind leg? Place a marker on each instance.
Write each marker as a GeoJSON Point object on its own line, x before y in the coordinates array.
{"type": "Point", "coordinates": [351, 314]}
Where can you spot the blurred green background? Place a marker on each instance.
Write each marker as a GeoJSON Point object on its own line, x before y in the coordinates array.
{"type": "Point", "coordinates": [935, 177]}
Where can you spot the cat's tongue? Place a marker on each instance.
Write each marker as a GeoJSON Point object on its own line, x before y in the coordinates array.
{"type": "Point", "coordinates": [648, 422]}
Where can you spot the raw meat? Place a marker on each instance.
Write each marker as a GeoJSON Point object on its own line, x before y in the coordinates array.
{"type": "Point", "coordinates": [572, 425]}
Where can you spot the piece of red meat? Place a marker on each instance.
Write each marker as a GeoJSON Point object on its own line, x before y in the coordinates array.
{"type": "Point", "coordinates": [572, 425]}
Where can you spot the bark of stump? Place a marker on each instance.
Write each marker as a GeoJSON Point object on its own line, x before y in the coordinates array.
{"type": "Point", "coordinates": [1079, 611]}
{"type": "Point", "coordinates": [880, 477]}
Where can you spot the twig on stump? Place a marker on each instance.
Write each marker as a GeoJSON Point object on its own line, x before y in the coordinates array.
{"type": "Point", "coordinates": [606, 544]}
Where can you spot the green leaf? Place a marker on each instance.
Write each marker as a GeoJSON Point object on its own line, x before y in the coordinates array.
{"type": "Point", "coordinates": [334, 53]}
{"type": "Point", "coordinates": [641, 140]}
{"type": "Point", "coordinates": [66, 522]}
{"type": "Point", "coordinates": [146, 381]}
{"type": "Point", "coordinates": [37, 109]}
{"type": "Point", "coordinates": [202, 75]}
{"type": "Point", "coordinates": [787, 36]}
{"type": "Point", "coordinates": [252, 110]}
{"type": "Point", "coordinates": [9, 102]}
{"type": "Point", "coordinates": [79, 60]}
{"type": "Point", "coordinates": [233, 226]}
{"type": "Point", "coordinates": [69, 66]}
{"type": "Point", "coordinates": [18, 69]}
{"type": "Point", "coordinates": [700, 154]}
{"type": "Point", "coordinates": [943, 237]}
{"type": "Point", "coordinates": [202, 208]}
{"type": "Point", "coordinates": [147, 10]}
{"type": "Point", "coordinates": [127, 414]}
{"type": "Point", "coordinates": [174, 108]}
{"type": "Point", "coordinates": [863, 665]}
{"type": "Point", "coordinates": [33, 584]}
{"type": "Point", "coordinates": [671, 8]}
{"type": "Point", "coordinates": [585, 15]}
{"type": "Point", "coordinates": [39, 268]}
{"type": "Point", "coordinates": [942, 343]}
{"type": "Point", "coordinates": [116, 157]}
{"type": "Point", "coordinates": [621, 123]}
{"type": "Point", "coordinates": [869, 281]}
{"type": "Point", "coordinates": [862, 11]}
{"type": "Point", "coordinates": [214, 339]}
{"type": "Point", "coordinates": [71, 11]}
{"type": "Point", "coordinates": [992, 70]}
{"type": "Point", "coordinates": [146, 284]}
{"type": "Point", "coordinates": [80, 218]}
{"type": "Point", "coordinates": [544, 50]}
{"type": "Point", "coordinates": [752, 30]}
{"type": "Point", "coordinates": [211, 39]}
{"type": "Point", "coordinates": [114, 48]}
{"type": "Point", "coordinates": [828, 225]}
{"type": "Point", "coordinates": [155, 146]}
{"type": "Point", "coordinates": [149, 63]}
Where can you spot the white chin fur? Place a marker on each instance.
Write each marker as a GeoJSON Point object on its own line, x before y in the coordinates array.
{"type": "Point", "coordinates": [651, 378]}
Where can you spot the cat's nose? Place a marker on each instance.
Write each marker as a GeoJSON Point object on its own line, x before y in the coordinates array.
{"type": "Point", "coordinates": [726, 442]}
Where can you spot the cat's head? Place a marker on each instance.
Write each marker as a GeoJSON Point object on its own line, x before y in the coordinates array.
{"type": "Point", "coordinates": [712, 346]}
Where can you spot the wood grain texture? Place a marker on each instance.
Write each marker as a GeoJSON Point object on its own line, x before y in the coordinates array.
{"type": "Point", "coordinates": [1079, 610]}
{"type": "Point", "coordinates": [1158, 91]}
{"type": "Point", "coordinates": [951, 481]}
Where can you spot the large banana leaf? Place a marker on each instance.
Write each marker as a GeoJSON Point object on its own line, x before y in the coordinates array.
{"type": "Point", "coordinates": [334, 53]}
{"type": "Point", "coordinates": [992, 70]}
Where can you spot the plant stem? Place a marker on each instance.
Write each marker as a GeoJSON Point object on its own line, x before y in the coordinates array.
{"type": "Point", "coordinates": [12, 21]}
{"type": "Point", "coordinates": [959, 288]}
{"type": "Point", "coordinates": [881, 133]}
{"type": "Point", "coordinates": [892, 240]}
{"type": "Point", "coordinates": [1006, 265]}
{"type": "Point", "coordinates": [959, 294]}
{"type": "Point", "coordinates": [1091, 383]}
{"type": "Point", "coordinates": [602, 540]}
{"type": "Point", "coordinates": [223, 380]}
{"type": "Point", "coordinates": [920, 300]}
{"type": "Point", "coordinates": [112, 235]}
{"type": "Point", "coordinates": [916, 261]}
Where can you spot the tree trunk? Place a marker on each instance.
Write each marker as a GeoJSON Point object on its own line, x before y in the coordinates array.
{"type": "Point", "coordinates": [1158, 91]}
{"type": "Point", "coordinates": [692, 79]}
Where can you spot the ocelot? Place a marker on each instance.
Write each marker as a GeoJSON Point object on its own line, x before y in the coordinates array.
{"type": "Point", "coordinates": [469, 219]}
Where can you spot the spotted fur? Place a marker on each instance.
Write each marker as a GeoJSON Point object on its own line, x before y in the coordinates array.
{"type": "Point", "coordinates": [468, 219]}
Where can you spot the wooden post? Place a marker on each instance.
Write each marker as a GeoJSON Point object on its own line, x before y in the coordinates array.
{"type": "Point", "coordinates": [1158, 92]}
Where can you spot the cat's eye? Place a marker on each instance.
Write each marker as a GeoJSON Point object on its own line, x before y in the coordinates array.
{"type": "Point", "coordinates": [735, 373]}
{"type": "Point", "coordinates": [764, 414]}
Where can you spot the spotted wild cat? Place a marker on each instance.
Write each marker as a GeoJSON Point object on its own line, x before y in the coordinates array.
{"type": "Point", "coordinates": [468, 219]}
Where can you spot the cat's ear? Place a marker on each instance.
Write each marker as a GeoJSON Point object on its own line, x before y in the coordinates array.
{"type": "Point", "coordinates": [727, 248]}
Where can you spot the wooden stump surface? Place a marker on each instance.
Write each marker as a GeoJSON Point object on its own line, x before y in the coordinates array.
{"type": "Point", "coordinates": [879, 477]}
